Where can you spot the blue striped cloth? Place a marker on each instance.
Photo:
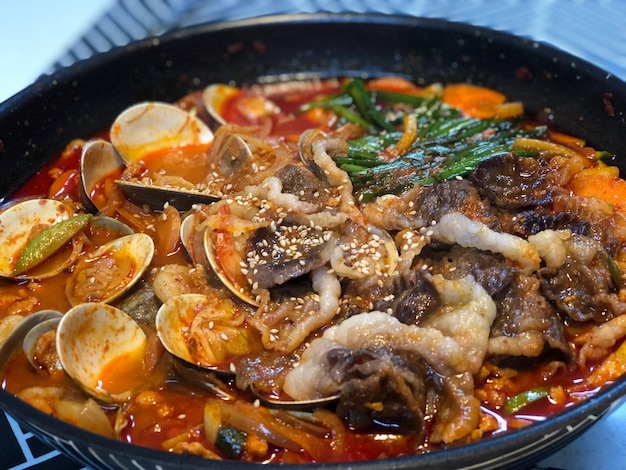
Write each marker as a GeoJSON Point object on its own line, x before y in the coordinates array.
{"type": "Point", "coordinates": [592, 30]}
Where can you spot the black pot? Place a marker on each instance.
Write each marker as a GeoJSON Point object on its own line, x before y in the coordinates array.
{"type": "Point", "coordinates": [569, 94]}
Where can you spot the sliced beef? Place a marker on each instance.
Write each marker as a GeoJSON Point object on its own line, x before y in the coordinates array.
{"type": "Point", "coordinates": [275, 257]}
{"type": "Point", "coordinates": [526, 324]}
{"type": "Point", "coordinates": [453, 196]}
{"type": "Point", "coordinates": [380, 388]}
{"type": "Point", "coordinates": [411, 297]}
{"type": "Point", "coordinates": [399, 392]}
{"type": "Point", "coordinates": [490, 270]}
{"type": "Point", "coordinates": [418, 301]}
{"type": "Point", "coordinates": [512, 182]}
{"type": "Point", "coordinates": [582, 292]}
{"type": "Point", "coordinates": [302, 182]}
{"type": "Point", "coordinates": [533, 221]}
{"type": "Point", "coordinates": [266, 371]}
{"type": "Point", "coordinates": [583, 288]}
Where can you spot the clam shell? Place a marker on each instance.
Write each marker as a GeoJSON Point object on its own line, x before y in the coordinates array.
{"type": "Point", "coordinates": [32, 337]}
{"type": "Point", "coordinates": [98, 161]}
{"type": "Point", "coordinates": [202, 330]}
{"type": "Point", "coordinates": [94, 337]}
{"type": "Point", "coordinates": [157, 196]}
{"type": "Point", "coordinates": [16, 338]}
{"type": "Point", "coordinates": [243, 292]}
{"type": "Point", "coordinates": [215, 97]}
{"type": "Point", "coordinates": [192, 237]}
{"type": "Point", "coordinates": [111, 270]}
{"type": "Point", "coordinates": [16, 225]}
{"type": "Point", "coordinates": [149, 127]}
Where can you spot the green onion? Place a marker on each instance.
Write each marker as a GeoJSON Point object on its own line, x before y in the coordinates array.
{"type": "Point", "coordinates": [616, 273]}
{"type": "Point", "coordinates": [349, 116]}
{"type": "Point", "coordinates": [365, 105]}
{"type": "Point", "coordinates": [519, 401]}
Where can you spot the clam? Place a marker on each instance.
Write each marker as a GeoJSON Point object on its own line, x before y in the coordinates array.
{"type": "Point", "coordinates": [252, 107]}
{"type": "Point", "coordinates": [232, 154]}
{"type": "Point", "coordinates": [40, 339]}
{"type": "Point", "coordinates": [110, 224]}
{"type": "Point", "coordinates": [15, 339]}
{"type": "Point", "coordinates": [232, 279]}
{"type": "Point", "coordinates": [140, 131]}
{"type": "Point", "coordinates": [204, 331]}
{"type": "Point", "coordinates": [215, 97]}
{"type": "Point", "coordinates": [214, 237]}
{"type": "Point", "coordinates": [192, 237]}
{"type": "Point", "coordinates": [102, 349]}
{"type": "Point", "coordinates": [305, 144]}
{"type": "Point", "coordinates": [20, 223]}
{"type": "Point", "coordinates": [158, 196]}
{"type": "Point", "coordinates": [150, 127]}
{"type": "Point", "coordinates": [111, 270]}
{"type": "Point", "coordinates": [98, 161]}
{"type": "Point", "coordinates": [297, 405]}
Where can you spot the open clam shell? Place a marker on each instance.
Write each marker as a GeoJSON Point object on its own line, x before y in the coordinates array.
{"type": "Point", "coordinates": [298, 405]}
{"type": "Point", "coordinates": [236, 284]}
{"type": "Point", "coordinates": [111, 270]}
{"type": "Point", "coordinates": [110, 223]}
{"type": "Point", "coordinates": [192, 237]}
{"type": "Point", "coordinates": [98, 161]}
{"type": "Point", "coordinates": [204, 331]}
{"type": "Point", "coordinates": [34, 336]}
{"type": "Point", "coordinates": [215, 97]}
{"type": "Point", "coordinates": [157, 196]}
{"type": "Point", "coordinates": [149, 127]}
{"type": "Point", "coordinates": [16, 230]}
{"type": "Point", "coordinates": [102, 349]}
{"type": "Point", "coordinates": [15, 339]}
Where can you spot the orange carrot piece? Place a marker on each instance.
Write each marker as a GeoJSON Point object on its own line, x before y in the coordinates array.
{"type": "Point", "coordinates": [566, 139]}
{"type": "Point", "coordinates": [395, 84]}
{"type": "Point", "coordinates": [475, 101]}
{"type": "Point", "coordinates": [602, 183]}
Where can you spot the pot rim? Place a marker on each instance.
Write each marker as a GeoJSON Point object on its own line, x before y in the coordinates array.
{"type": "Point", "coordinates": [572, 421]}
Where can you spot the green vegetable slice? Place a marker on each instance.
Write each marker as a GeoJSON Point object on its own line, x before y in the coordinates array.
{"type": "Point", "coordinates": [519, 401]}
{"type": "Point", "coordinates": [48, 241]}
{"type": "Point", "coordinates": [364, 103]}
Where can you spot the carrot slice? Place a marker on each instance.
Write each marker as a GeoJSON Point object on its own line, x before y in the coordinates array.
{"type": "Point", "coordinates": [395, 84]}
{"type": "Point", "coordinates": [475, 101]}
{"type": "Point", "coordinates": [602, 182]}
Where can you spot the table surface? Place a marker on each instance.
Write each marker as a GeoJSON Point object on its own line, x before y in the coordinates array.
{"type": "Point", "coordinates": [39, 37]}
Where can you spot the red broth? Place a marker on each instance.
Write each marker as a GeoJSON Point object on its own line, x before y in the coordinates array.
{"type": "Point", "coordinates": [167, 412]}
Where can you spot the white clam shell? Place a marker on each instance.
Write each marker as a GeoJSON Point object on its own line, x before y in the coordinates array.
{"type": "Point", "coordinates": [111, 270]}
{"type": "Point", "coordinates": [32, 337]}
{"type": "Point", "coordinates": [202, 330]}
{"type": "Point", "coordinates": [149, 127]}
{"type": "Point", "coordinates": [16, 224]}
{"type": "Point", "coordinates": [91, 337]}
{"type": "Point", "coordinates": [215, 97]}
{"type": "Point", "coordinates": [243, 291]}
{"type": "Point", "coordinates": [98, 160]}
{"type": "Point", "coordinates": [15, 339]}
